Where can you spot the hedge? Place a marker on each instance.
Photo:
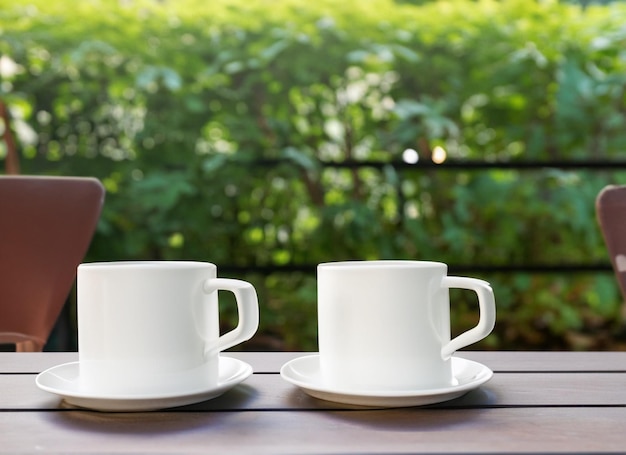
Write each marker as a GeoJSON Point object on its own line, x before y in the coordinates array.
{"type": "Point", "coordinates": [232, 131]}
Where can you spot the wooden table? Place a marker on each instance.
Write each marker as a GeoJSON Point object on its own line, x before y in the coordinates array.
{"type": "Point", "coordinates": [563, 402]}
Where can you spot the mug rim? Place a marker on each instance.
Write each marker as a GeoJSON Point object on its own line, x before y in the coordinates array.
{"type": "Point", "coordinates": [142, 264]}
{"type": "Point", "coordinates": [381, 263]}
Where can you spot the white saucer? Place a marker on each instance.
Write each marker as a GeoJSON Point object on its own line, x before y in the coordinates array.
{"type": "Point", "coordinates": [63, 380]}
{"type": "Point", "coordinates": [304, 372]}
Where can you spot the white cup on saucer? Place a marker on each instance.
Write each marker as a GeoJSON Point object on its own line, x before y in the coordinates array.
{"type": "Point", "coordinates": [384, 326]}
{"type": "Point", "coordinates": [152, 327]}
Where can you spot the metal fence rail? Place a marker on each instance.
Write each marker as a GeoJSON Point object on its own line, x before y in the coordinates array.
{"type": "Point", "coordinates": [453, 164]}
{"type": "Point", "coordinates": [544, 269]}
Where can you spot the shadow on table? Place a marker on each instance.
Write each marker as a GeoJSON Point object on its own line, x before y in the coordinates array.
{"type": "Point", "coordinates": [171, 420]}
{"type": "Point", "coordinates": [434, 417]}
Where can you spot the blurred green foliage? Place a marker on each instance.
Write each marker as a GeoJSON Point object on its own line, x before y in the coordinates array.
{"type": "Point", "coordinates": [176, 105]}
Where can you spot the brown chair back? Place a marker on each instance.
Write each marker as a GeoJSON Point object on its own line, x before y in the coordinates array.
{"type": "Point", "coordinates": [611, 214]}
{"type": "Point", "coordinates": [46, 226]}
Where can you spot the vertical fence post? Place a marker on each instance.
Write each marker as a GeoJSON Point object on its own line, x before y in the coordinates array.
{"type": "Point", "coordinates": [12, 161]}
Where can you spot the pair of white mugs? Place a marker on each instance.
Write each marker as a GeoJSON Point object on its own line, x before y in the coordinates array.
{"type": "Point", "coordinates": [153, 327]}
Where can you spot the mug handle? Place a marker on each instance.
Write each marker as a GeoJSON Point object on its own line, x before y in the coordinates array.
{"type": "Point", "coordinates": [247, 308]}
{"type": "Point", "coordinates": [487, 308]}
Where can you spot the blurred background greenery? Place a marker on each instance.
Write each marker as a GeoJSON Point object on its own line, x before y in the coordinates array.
{"type": "Point", "coordinates": [268, 137]}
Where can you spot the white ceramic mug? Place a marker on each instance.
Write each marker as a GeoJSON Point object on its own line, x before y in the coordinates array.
{"type": "Point", "coordinates": [385, 325]}
{"type": "Point", "coordinates": [152, 327]}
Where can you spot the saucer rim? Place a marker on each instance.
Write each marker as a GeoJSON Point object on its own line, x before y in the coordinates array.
{"type": "Point", "coordinates": [317, 389]}
{"type": "Point", "coordinates": [133, 401]}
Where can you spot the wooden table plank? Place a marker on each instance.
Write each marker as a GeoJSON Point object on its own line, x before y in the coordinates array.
{"type": "Point", "coordinates": [564, 402]}
{"type": "Point", "coordinates": [576, 430]}
{"type": "Point", "coordinates": [506, 361]}
{"type": "Point", "coordinates": [267, 362]}
{"type": "Point", "coordinates": [498, 361]}
{"type": "Point", "coordinates": [270, 391]}
{"type": "Point", "coordinates": [35, 362]}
